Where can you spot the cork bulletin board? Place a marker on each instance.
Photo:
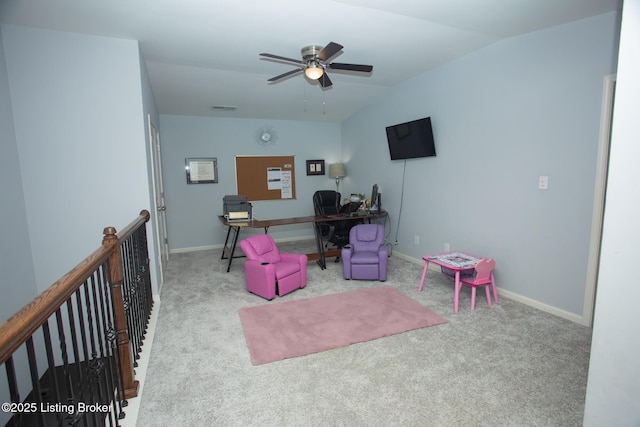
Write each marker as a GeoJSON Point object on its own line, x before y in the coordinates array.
{"type": "Point", "coordinates": [266, 177]}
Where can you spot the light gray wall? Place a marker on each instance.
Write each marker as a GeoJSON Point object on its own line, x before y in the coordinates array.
{"type": "Point", "coordinates": [502, 116]}
{"type": "Point", "coordinates": [18, 284]}
{"type": "Point", "coordinates": [72, 156]}
{"type": "Point", "coordinates": [613, 388]}
{"type": "Point", "coordinates": [192, 209]}
{"type": "Point", "coordinates": [78, 117]}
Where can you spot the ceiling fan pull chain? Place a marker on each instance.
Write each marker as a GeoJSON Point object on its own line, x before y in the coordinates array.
{"type": "Point", "coordinates": [304, 95]}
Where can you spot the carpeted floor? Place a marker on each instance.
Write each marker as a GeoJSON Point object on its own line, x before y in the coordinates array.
{"type": "Point", "coordinates": [509, 365]}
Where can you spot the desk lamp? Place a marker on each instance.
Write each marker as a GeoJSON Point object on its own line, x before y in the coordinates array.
{"type": "Point", "coordinates": [337, 171]}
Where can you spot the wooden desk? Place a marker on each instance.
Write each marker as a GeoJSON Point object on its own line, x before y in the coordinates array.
{"type": "Point", "coordinates": [319, 256]}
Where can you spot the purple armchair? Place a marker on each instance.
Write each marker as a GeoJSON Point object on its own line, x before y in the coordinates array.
{"type": "Point", "coordinates": [365, 257]}
{"type": "Point", "coordinates": [267, 271]}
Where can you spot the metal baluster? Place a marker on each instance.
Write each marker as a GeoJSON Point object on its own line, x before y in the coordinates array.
{"type": "Point", "coordinates": [53, 377]}
{"type": "Point", "coordinates": [72, 392]}
{"type": "Point", "coordinates": [83, 378]}
{"type": "Point", "coordinates": [127, 294]}
{"type": "Point", "coordinates": [14, 393]}
{"type": "Point", "coordinates": [35, 379]}
{"type": "Point", "coordinates": [98, 362]}
{"type": "Point", "coordinates": [135, 255]}
{"type": "Point", "coordinates": [109, 337]}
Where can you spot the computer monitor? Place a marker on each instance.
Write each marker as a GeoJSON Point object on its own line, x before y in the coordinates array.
{"type": "Point", "coordinates": [374, 199]}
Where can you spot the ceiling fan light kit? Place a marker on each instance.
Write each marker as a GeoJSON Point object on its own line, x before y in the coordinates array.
{"type": "Point", "coordinates": [316, 62]}
{"type": "Point", "coordinates": [313, 70]}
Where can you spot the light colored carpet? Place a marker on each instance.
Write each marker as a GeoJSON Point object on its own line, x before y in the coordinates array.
{"type": "Point", "coordinates": [508, 365]}
{"type": "Point", "coordinates": [310, 325]}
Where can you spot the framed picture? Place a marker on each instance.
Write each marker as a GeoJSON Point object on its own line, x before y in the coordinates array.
{"type": "Point", "coordinates": [315, 167]}
{"type": "Point", "coordinates": [202, 170]}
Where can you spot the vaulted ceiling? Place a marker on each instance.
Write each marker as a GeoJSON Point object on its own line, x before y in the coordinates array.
{"type": "Point", "coordinates": [205, 53]}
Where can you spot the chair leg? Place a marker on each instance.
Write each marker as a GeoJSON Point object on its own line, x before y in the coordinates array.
{"type": "Point", "coordinates": [493, 285]}
{"type": "Point", "coordinates": [473, 298]}
{"type": "Point", "coordinates": [456, 293]}
{"type": "Point", "coordinates": [488, 295]}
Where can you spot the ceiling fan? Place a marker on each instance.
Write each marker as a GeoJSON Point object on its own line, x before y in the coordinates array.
{"type": "Point", "coordinates": [315, 63]}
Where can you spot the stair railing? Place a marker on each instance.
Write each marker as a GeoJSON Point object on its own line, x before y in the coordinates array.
{"type": "Point", "coordinates": [68, 355]}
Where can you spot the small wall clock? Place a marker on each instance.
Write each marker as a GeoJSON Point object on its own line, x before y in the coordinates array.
{"type": "Point", "coordinates": [266, 136]}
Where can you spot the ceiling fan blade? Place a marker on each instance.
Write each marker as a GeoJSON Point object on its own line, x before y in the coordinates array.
{"type": "Point", "coordinates": [282, 58]}
{"type": "Point", "coordinates": [287, 74]}
{"type": "Point", "coordinates": [351, 67]}
{"type": "Point", "coordinates": [329, 50]}
{"type": "Point", "coordinates": [325, 81]}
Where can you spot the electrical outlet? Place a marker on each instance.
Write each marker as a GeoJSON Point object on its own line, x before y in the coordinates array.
{"type": "Point", "coordinates": [543, 182]}
{"type": "Point", "coordinates": [446, 247]}
{"type": "Point", "coordinates": [416, 239]}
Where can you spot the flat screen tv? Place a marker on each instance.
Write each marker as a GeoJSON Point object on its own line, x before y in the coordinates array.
{"type": "Point", "coordinates": [411, 140]}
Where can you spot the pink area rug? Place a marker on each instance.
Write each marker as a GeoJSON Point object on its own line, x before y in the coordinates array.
{"type": "Point", "coordinates": [295, 328]}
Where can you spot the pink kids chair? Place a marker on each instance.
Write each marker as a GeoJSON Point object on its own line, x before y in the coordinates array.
{"type": "Point", "coordinates": [267, 271]}
{"type": "Point", "coordinates": [483, 277]}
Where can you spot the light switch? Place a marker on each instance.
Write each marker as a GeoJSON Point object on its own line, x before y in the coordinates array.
{"type": "Point", "coordinates": [543, 183]}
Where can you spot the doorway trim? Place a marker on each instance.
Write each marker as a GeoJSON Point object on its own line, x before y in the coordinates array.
{"type": "Point", "coordinates": [159, 206]}
{"type": "Point", "coordinates": [599, 196]}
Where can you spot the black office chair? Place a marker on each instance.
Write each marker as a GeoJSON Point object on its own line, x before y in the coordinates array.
{"type": "Point", "coordinates": [327, 202]}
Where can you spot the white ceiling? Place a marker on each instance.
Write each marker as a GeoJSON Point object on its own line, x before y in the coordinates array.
{"type": "Point", "coordinates": [201, 53]}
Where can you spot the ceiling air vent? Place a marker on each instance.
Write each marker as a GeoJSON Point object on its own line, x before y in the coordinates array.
{"type": "Point", "coordinates": [224, 108]}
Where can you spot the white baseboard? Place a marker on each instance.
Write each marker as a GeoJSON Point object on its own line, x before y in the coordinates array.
{"type": "Point", "coordinates": [409, 258]}
{"type": "Point", "coordinates": [511, 295]}
{"type": "Point", "coordinates": [208, 247]}
{"type": "Point", "coordinates": [541, 306]}
{"type": "Point", "coordinates": [194, 249]}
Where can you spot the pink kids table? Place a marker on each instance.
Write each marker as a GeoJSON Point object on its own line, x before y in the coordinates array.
{"type": "Point", "coordinates": [456, 262]}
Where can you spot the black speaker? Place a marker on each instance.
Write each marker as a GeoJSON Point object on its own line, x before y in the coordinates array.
{"type": "Point", "coordinates": [379, 202]}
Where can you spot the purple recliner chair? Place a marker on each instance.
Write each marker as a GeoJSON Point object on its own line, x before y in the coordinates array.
{"type": "Point", "coordinates": [267, 271]}
{"type": "Point", "coordinates": [365, 257]}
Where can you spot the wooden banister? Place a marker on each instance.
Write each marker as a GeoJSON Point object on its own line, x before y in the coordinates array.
{"type": "Point", "coordinates": [143, 217]}
{"type": "Point", "coordinates": [15, 330]}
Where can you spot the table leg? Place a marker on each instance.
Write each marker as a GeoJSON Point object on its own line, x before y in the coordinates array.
{"type": "Point", "coordinates": [233, 248]}
{"type": "Point", "coordinates": [226, 241]}
{"type": "Point", "coordinates": [456, 293]}
{"type": "Point", "coordinates": [424, 272]}
{"type": "Point", "coordinates": [321, 262]}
